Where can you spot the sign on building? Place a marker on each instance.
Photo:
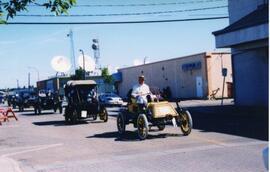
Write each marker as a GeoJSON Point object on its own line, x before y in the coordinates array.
{"type": "Point", "coordinates": [191, 66]}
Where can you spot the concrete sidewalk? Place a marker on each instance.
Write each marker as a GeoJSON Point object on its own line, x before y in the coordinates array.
{"type": "Point", "coordinates": [9, 165]}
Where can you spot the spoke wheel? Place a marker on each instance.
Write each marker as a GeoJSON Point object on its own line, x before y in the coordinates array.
{"type": "Point", "coordinates": [39, 110]}
{"type": "Point", "coordinates": [67, 119]}
{"type": "Point", "coordinates": [74, 117]}
{"type": "Point", "coordinates": [186, 122]}
{"type": "Point", "coordinates": [121, 124]}
{"type": "Point", "coordinates": [104, 115]}
{"type": "Point", "coordinates": [36, 111]}
{"type": "Point", "coordinates": [60, 109]}
{"type": "Point", "coordinates": [143, 127]}
{"type": "Point", "coordinates": [161, 127]}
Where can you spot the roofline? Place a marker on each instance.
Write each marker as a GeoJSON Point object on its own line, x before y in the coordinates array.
{"type": "Point", "coordinates": [259, 8]}
{"type": "Point", "coordinates": [55, 77]}
{"type": "Point", "coordinates": [206, 54]}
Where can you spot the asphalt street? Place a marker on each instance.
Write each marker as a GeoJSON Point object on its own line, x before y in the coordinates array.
{"type": "Point", "coordinates": [223, 140]}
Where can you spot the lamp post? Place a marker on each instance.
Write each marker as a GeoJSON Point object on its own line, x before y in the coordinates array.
{"type": "Point", "coordinates": [224, 74]}
{"type": "Point", "coordinates": [83, 63]}
{"type": "Point", "coordinates": [144, 60]}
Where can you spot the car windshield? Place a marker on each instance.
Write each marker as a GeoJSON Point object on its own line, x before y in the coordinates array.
{"type": "Point", "coordinates": [86, 93]}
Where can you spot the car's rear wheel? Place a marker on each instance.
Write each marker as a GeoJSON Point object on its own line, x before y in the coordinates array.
{"type": "Point", "coordinates": [94, 117]}
{"type": "Point", "coordinates": [36, 111]}
{"type": "Point", "coordinates": [20, 108]}
{"type": "Point", "coordinates": [55, 109]}
{"type": "Point", "coordinates": [121, 124]}
{"type": "Point", "coordinates": [66, 115]}
{"type": "Point", "coordinates": [74, 117]}
{"type": "Point", "coordinates": [60, 109]}
{"type": "Point", "coordinates": [39, 110]}
{"type": "Point", "coordinates": [161, 127]}
{"type": "Point", "coordinates": [143, 127]}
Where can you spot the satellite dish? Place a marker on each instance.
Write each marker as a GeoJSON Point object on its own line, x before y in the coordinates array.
{"type": "Point", "coordinates": [90, 64]}
{"type": "Point", "coordinates": [60, 64]}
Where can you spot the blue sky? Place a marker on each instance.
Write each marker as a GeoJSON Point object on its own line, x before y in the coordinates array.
{"type": "Point", "coordinates": [22, 46]}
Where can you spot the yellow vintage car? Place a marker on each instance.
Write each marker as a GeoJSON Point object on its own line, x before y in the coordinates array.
{"type": "Point", "coordinates": [154, 113]}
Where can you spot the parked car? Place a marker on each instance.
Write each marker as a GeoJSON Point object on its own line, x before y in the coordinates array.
{"type": "Point", "coordinates": [82, 102]}
{"type": "Point", "coordinates": [111, 99]}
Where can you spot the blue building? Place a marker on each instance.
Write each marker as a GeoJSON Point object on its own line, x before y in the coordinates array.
{"type": "Point", "coordinates": [247, 36]}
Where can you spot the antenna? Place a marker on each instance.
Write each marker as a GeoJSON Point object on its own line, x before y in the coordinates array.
{"type": "Point", "coordinates": [90, 64]}
{"type": "Point", "coordinates": [70, 34]}
{"type": "Point", "coordinates": [60, 64]}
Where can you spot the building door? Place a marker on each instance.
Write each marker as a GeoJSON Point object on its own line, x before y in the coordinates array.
{"type": "Point", "coordinates": [199, 86]}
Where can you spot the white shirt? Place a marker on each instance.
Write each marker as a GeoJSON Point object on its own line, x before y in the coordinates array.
{"type": "Point", "coordinates": [140, 90]}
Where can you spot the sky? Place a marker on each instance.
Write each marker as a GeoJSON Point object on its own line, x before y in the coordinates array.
{"type": "Point", "coordinates": [30, 48]}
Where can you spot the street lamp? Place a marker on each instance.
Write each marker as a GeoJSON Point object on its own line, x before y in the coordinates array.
{"type": "Point", "coordinates": [83, 63]}
{"type": "Point", "coordinates": [144, 60]}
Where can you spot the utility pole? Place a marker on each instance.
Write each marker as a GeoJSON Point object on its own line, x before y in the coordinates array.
{"type": "Point", "coordinates": [28, 80]}
{"type": "Point", "coordinates": [32, 67]}
{"type": "Point", "coordinates": [17, 83]}
{"type": "Point", "coordinates": [224, 72]}
{"type": "Point", "coordinates": [70, 35]}
{"type": "Point", "coordinates": [83, 64]}
{"type": "Point", "coordinates": [144, 60]}
{"type": "Point", "coordinates": [95, 47]}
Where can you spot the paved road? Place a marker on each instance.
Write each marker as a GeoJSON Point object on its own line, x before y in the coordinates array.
{"type": "Point", "coordinates": [44, 143]}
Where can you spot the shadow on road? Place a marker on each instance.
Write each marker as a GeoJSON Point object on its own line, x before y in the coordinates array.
{"type": "Point", "coordinates": [43, 113]}
{"type": "Point", "coordinates": [241, 121]}
{"type": "Point", "coordinates": [63, 123]}
{"type": "Point", "coordinates": [132, 136]}
{"type": "Point", "coordinates": [25, 110]}
{"type": "Point", "coordinates": [57, 123]}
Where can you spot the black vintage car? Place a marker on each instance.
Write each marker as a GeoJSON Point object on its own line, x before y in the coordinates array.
{"type": "Point", "coordinates": [47, 100]}
{"type": "Point", "coordinates": [22, 100]}
{"type": "Point", "coordinates": [82, 102]}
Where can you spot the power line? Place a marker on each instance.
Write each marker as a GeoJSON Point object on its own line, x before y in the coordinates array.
{"type": "Point", "coordinates": [123, 14]}
{"type": "Point", "coordinates": [140, 5]}
{"type": "Point", "coordinates": [113, 23]}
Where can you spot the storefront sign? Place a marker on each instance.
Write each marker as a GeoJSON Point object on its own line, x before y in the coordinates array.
{"type": "Point", "coordinates": [191, 66]}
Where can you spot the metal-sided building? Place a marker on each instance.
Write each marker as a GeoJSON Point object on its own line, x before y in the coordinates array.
{"type": "Point", "coordinates": [248, 37]}
{"type": "Point", "coordinates": [57, 84]}
{"type": "Point", "coordinates": [193, 76]}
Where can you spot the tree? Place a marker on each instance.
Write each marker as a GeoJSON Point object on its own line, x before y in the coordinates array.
{"type": "Point", "coordinates": [10, 9]}
{"type": "Point", "coordinates": [108, 79]}
{"type": "Point", "coordinates": [79, 74]}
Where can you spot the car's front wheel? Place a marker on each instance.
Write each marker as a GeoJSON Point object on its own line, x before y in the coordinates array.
{"type": "Point", "coordinates": [104, 115]}
{"type": "Point", "coordinates": [185, 122]}
{"type": "Point", "coordinates": [121, 124]}
{"type": "Point", "coordinates": [143, 127]}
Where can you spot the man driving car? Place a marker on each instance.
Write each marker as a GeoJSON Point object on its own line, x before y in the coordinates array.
{"type": "Point", "coordinates": [140, 91]}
